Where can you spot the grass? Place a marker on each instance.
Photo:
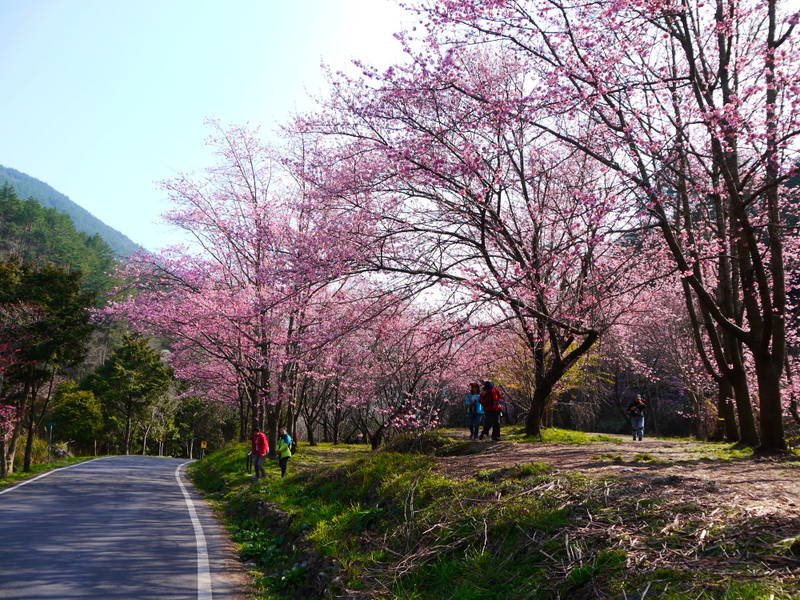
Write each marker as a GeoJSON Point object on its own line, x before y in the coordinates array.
{"type": "Point", "coordinates": [645, 457]}
{"type": "Point", "coordinates": [20, 476]}
{"type": "Point", "coordinates": [609, 457]}
{"type": "Point", "coordinates": [555, 435]}
{"type": "Point", "coordinates": [441, 442]}
{"type": "Point", "coordinates": [391, 525]}
{"type": "Point", "coordinates": [524, 471]}
{"type": "Point", "coordinates": [672, 584]}
{"type": "Point", "coordinates": [268, 519]}
{"type": "Point", "coordinates": [388, 496]}
{"type": "Point", "coordinates": [638, 458]}
{"type": "Point", "coordinates": [721, 451]}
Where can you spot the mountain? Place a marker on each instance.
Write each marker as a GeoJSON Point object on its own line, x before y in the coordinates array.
{"type": "Point", "coordinates": [30, 187]}
{"type": "Point", "coordinates": [39, 237]}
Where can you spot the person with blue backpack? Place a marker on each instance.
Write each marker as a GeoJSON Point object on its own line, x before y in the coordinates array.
{"type": "Point", "coordinates": [284, 450]}
{"type": "Point", "coordinates": [474, 408]}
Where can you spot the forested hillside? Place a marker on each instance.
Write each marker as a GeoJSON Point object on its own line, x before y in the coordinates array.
{"type": "Point", "coordinates": [29, 187]}
{"type": "Point", "coordinates": [36, 235]}
{"type": "Point", "coordinates": [68, 383]}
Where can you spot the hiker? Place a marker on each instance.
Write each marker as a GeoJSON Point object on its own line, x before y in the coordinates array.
{"type": "Point", "coordinates": [260, 449]}
{"type": "Point", "coordinates": [492, 401]}
{"type": "Point", "coordinates": [636, 413]}
{"type": "Point", "coordinates": [284, 449]}
{"type": "Point", "coordinates": [474, 408]}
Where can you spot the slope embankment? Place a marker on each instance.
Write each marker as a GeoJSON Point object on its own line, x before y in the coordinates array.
{"type": "Point", "coordinates": [439, 517]}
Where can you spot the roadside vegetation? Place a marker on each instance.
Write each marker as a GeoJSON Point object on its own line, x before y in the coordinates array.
{"type": "Point", "coordinates": [18, 476]}
{"type": "Point", "coordinates": [352, 523]}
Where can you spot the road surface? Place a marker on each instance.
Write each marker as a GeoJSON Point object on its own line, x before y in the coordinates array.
{"type": "Point", "coordinates": [116, 527]}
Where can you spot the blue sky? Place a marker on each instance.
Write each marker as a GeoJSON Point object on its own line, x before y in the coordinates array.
{"type": "Point", "coordinates": [104, 98]}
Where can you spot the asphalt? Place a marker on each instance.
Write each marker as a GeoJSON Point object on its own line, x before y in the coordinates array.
{"type": "Point", "coordinates": [112, 528]}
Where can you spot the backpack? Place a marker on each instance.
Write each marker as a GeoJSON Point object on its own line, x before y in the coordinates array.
{"type": "Point", "coordinates": [497, 400]}
{"type": "Point", "coordinates": [636, 410]}
{"type": "Point", "coordinates": [473, 404]}
{"type": "Point", "coordinates": [293, 448]}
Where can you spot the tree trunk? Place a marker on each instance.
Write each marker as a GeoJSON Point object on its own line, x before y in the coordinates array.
{"type": "Point", "coordinates": [256, 404]}
{"type": "Point", "coordinates": [272, 426]}
{"type": "Point", "coordinates": [653, 414]}
{"type": "Point", "coordinates": [11, 447]}
{"type": "Point", "coordinates": [336, 419]}
{"type": "Point", "coordinates": [376, 439]}
{"type": "Point", "coordinates": [533, 422]}
{"type": "Point", "coordinates": [769, 400]}
{"type": "Point", "coordinates": [699, 416]}
{"type": "Point", "coordinates": [726, 417]}
{"type": "Point", "coordinates": [744, 408]}
{"type": "Point", "coordinates": [770, 364]}
{"type": "Point", "coordinates": [128, 434]}
{"type": "Point", "coordinates": [144, 440]}
{"type": "Point", "coordinates": [11, 451]}
{"type": "Point", "coordinates": [31, 431]}
{"type": "Point", "coordinates": [242, 416]}
{"type": "Point", "coordinates": [718, 433]}
{"type": "Point", "coordinates": [34, 421]}
{"type": "Point", "coordinates": [793, 409]}
{"type": "Point", "coordinates": [294, 426]}
{"type": "Point", "coordinates": [546, 378]}
{"type": "Point", "coordinates": [792, 396]}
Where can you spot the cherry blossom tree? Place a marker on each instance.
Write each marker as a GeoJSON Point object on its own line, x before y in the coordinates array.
{"type": "Point", "coordinates": [696, 106]}
{"type": "Point", "coordinates": [535, 170]}
{"type": "Point", "coordinates": [250, 306]}
{"type": "Point", "coordinates": [470, 197]}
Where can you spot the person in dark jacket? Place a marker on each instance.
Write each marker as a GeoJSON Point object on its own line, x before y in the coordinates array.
{"type": "Point", "coordinates": [260, 450]}
{"type": "Point", "coordinates": [636, 413]}
{"type": "Point", "coordinates": [492, 401]}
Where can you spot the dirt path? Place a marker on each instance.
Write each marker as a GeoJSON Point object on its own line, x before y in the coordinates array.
{"type": "Point", "coordinates": [760, 487]}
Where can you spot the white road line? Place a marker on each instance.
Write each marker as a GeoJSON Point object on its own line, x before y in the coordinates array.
{"type": "Point", "coordinates": [27, 481]}
{"type": "Point", "coordinates": [203, 570]}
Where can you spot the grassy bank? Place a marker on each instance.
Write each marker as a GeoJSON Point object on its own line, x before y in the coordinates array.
{"type": "Point", "coordinates": [556, 435]}
{"type": "Point", "coordinates": [348, 522]}
{"type": "Point", "coordinates": [19, 476]}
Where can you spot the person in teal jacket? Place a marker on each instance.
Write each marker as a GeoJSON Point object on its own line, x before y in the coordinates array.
{"type": "Point", "coordinates": [284, 449]}
{"type": "Point", "coordinates": [474, 408]}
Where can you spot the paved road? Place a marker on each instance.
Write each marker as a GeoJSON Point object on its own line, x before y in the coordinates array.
{"type": "Point", "coordinates": [113, 528]}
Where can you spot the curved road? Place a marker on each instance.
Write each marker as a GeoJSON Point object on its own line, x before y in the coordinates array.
{"type": "Point", "coordinates": [116, 527]}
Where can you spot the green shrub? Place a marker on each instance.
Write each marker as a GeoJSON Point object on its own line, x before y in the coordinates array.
{"type": "Point", "coordinates": [39, 454]}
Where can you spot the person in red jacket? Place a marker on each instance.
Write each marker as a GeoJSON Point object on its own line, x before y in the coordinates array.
{"type": "Point", "coordinates": [260, 450]}
{"type": "Point", "coordinates": [492, 401]}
